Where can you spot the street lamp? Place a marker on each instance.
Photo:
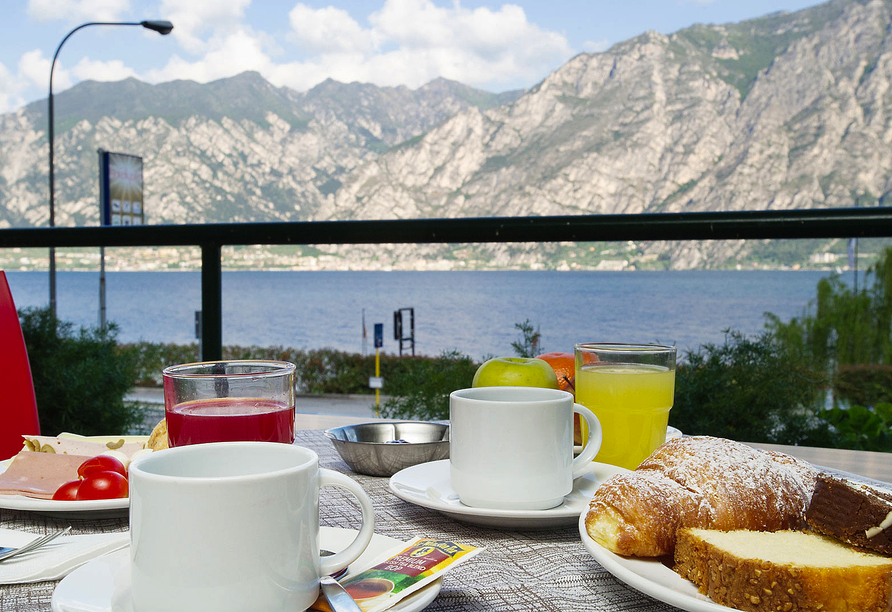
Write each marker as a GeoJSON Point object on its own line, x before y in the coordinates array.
{"type": "Point", "coordinates": [162, 27]}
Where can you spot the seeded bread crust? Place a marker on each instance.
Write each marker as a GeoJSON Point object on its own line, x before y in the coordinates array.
{"type": "Point", "coordinates": [760, 585]}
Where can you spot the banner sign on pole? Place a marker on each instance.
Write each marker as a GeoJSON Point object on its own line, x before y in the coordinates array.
{"type": "Point", "coordinates": [120, 189]}
{"type": "Point", "coordinates": [379, 335]}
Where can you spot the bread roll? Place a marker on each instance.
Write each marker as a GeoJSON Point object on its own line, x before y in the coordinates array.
{"type": "Point", "coordinates": [705, 482]}
{"type": "Point", "coordinates": [158, 438]}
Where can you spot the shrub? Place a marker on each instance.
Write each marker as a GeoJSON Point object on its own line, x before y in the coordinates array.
{"type": "Point", "coordinates": [864, 384]}
{"type": "Point", "coordinates": [861, 428]}
{"type": "Point", "coordinates": [423, 391]}
{"type": "Point", "coordinates": [749, 389]}
{"type": "Point", "coordinates": [80, 378]}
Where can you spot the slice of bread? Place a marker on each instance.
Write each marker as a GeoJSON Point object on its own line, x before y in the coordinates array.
{"type": "Point", "coordinates": [790, 571]}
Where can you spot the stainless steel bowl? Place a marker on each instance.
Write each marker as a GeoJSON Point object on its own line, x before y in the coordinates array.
{"type": "Point", "coordinates": [383, 449]}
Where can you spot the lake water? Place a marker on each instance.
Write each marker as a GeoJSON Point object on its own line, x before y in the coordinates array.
{"type": "Point", "coordinates": [472, 312]}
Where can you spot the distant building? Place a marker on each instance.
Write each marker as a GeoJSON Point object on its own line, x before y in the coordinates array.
{"type": "Point", "coordinates": [823, 258]}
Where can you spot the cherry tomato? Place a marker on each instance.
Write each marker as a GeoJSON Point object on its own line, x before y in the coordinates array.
{"type": "Point", "coordinates": [101, 463]}
{"type": "Point", "coordinates": [103, 485]}
{"type": "Point", "coordinates": [68, 491]}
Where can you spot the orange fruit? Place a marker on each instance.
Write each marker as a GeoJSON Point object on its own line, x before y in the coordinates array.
{"type": "Point", "coordinates": [564, 366]}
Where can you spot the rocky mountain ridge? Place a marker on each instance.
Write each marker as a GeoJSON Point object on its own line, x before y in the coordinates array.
{"type": "Point", "coordinates": [791, 110]}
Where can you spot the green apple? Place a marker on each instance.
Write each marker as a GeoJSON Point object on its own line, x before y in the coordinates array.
{"type": "Point", "coordinates": [515, 372]}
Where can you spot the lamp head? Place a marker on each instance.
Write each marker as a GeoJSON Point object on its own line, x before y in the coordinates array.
{"type": "Point", "coordinates": [162, 27]}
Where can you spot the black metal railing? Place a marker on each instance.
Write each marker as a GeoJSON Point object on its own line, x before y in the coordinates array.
{"type": "Point", "coordinates": [748, 225]}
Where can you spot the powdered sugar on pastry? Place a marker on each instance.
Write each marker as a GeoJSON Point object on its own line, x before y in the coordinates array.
{"type": "Point", "coordinates": [699, 481]}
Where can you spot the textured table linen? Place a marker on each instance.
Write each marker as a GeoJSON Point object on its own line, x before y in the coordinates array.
{"type": "Point", "coordinates": [519, 571]}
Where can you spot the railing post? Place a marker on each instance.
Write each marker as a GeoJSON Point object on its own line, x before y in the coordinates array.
{"type": "Point", "coordinates": [211, 302]}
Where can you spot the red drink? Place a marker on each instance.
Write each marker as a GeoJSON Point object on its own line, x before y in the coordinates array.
{"type": "Point", "coordinates": [230, 419]}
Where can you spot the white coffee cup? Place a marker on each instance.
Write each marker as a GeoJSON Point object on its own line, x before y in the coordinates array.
{"type": "Point", "coordinates": [232, 526]}
{"type": "Point", "coordinates": [512, 447]}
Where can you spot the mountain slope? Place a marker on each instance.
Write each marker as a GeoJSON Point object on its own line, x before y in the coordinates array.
{"type": "Point", "coordinates": [787, 111]}
{"type": "Point", "coordinates": [791, 110]}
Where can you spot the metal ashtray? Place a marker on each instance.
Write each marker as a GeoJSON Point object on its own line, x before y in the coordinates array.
{"type": "Point", "coordinates": [383, 449]}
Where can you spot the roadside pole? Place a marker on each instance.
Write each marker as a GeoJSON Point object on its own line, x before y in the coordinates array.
{"type": "Point", "coordinates": [376, 382]}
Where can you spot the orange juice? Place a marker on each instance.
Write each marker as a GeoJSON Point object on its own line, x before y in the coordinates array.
{"type": "Point", "coordinates": [632, 401]}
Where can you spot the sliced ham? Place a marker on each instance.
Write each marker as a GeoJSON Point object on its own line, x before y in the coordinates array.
{"type": "Point", "coordinates": [39, 474]}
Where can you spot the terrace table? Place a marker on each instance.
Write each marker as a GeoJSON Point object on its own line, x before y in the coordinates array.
{"type": "Point", "coordinates": [519, 571]}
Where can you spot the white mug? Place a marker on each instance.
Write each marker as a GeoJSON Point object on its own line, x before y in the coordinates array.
{"type": "Point", "coordinates": [512, 447]}
{"type": "Point", "coordinates": [232, 526]}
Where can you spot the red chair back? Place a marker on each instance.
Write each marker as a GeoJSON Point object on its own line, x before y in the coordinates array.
{"type": "Point", "coordinates": [18, 408]}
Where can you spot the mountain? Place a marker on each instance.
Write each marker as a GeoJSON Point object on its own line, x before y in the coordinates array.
{"type": "Point", "coordinates": [790, 110]}
{"type": "Point", "coordinates": [237, 149]}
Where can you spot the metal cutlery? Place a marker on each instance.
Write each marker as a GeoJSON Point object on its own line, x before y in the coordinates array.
{"type": "Point", "coordinates": [338, 599]}
{"type": "Point", "coordinates": [33, 545]}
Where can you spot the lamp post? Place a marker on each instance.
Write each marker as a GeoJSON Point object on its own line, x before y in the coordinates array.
{"type": "Point", "coordinates": [162, 27]}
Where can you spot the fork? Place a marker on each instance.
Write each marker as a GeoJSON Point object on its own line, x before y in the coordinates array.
{"type": "Point", "coordinates": [33, 545]}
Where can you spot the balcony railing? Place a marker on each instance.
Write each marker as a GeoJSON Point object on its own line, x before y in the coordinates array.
{"type": "Point", "coordinates": [748, 225]}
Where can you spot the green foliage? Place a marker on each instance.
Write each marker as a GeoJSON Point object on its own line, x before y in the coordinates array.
{"type": "Point", "coordinates": [317, 371]}
{"type": "Point", "coordinates": [80, 378]}
{"type": "Point", "coordinates": [842, 326]}
{"type": "Point", "coordinates": [423, 393]}
{"type": "Point", "coordinates": [749, 389]}
{"type": "Point", "coordinates": [863, 384]}
{"type": "Point", "coordinates": [861, 428]}
{"type": "Point", "coordinates": [529, 344]}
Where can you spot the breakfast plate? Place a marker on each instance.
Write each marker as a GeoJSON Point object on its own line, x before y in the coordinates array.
{"type": "Point", "coordinates": [103, 584]}
{"type": "Point", "coordinates": [427, 485]}
{"type": "Point", "coordinates": [99, 508]}
{"type": "Point", "coordinates": [650, 577]}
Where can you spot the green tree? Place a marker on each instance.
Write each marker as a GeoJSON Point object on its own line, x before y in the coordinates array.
{"type": "Point", "coordinates": [529, 344]}
{"type": "Point", "coordinates": [750, 389]}
{"type": "Point", "coordinates": [842, 326]}
{"type": "Point", "coordinates": [80, 377]}
{"type": "Point", "coordinates": [424, 393]}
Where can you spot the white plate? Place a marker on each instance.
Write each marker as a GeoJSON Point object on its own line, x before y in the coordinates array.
{"type": "Point", "coordinates": [103, 584]}
{"type": "Point", "coordinates": [650, 577]}
{"type": "Point", "coordinates": [99, 508]}
{"type": "Point", "coordinates": [428, 485]}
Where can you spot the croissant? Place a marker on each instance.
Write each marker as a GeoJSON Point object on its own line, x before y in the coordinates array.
{"type": "Point", "coordinates": [698, 481]}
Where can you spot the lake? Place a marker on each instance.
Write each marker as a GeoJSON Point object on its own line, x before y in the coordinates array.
{"type": "Point", "coordinates": [472, 312]}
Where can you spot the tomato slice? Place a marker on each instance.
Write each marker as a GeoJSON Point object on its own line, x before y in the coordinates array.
{"type": "Point", "coordinates": [68, 491]}
{"type": "Point", "coordinates": [103, 485]}
{"type": "Point", "coordinates": [101, 463]}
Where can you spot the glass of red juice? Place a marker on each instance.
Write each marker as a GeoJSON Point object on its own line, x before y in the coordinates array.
{"type": "Point", "coordinates": [229, 401]}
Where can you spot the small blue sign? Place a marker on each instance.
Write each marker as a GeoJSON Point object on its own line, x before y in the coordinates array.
{"type": "Point", "coordinates": [379, 335]}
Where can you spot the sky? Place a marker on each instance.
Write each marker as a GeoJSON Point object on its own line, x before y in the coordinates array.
{"type": "Point", "coordinates": [492, 45]}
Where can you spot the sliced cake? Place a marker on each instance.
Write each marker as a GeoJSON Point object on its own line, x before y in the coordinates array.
{"type": "Point", "coordinates": [791, 571]}
{"type": "Point", "coordinates": [852, 512]}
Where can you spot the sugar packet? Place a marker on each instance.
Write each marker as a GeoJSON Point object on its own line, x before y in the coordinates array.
{"type": "Point", "coordinates": [420, 563]}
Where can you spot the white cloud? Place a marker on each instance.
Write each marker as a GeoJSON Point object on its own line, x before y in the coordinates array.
{"type": "Point", "coordinates": [328, 30]}
{"type": "Point", "coordinates": [194, 18]}
{"type": "Point", "coordinates": [413, 41]}
{"type": "Point", "coordinates": [10, 91]}
{"type": "Point", "coordinates": [401, 42]}
{"type": "Point", "coordinates": [96, 10]}
{"type": "Point", "coordinates": [35, 68]}
{"type": "Point", "coordinates": [596, 46]}
{"type": "Point", "coordinates": [228, 56]}
{"type": "Point", "coordinates": [114, 70]}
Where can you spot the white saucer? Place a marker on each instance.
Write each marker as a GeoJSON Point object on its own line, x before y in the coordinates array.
{"type": "Point", "coordinates": [427, 485]}
{"type": "Point", "coordinates": [103, 584]}
{"type": "Point", "coordinates": [650, 577]}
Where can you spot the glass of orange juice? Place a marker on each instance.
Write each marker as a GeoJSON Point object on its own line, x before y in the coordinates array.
{"type": "Point", "coordinates": [630, 388]}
